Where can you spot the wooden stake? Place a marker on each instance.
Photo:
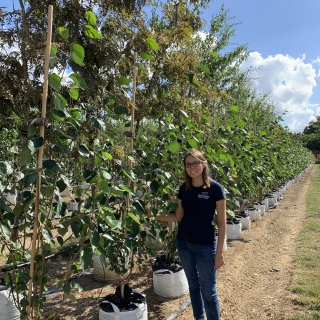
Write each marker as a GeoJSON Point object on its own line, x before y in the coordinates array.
{"type": "Point", "coordinates": [34, 245]}
{"type": "Point", "coordinates": [133, 102]}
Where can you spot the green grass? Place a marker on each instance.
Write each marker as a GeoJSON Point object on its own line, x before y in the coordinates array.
{"type": "Point", "coordinates": [306, 285]}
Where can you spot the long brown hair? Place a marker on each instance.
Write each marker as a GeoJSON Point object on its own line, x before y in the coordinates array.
{"type": "Point", "coordinates": [205, 173]}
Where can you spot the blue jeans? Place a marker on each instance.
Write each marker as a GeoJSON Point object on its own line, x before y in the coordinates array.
{"type": "Point", "coordinates": [198, 263]}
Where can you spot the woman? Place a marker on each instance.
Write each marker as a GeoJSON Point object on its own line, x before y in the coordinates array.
{"type": "Point", "coordinates": [198, 198]}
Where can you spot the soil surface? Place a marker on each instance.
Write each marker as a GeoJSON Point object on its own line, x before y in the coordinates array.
{"type": "Point", "coordinates": [253, 285]}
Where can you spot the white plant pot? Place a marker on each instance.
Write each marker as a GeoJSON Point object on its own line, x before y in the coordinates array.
{"type": "Point", "coordinates": [262, 209]}
{"type": "Point", "coordinates": [245, 222]}
{"type": "Point", "coordinates": [141, 313]}
{"type": "Point", "coordinates": [11, 198]}
{"type": "Point", "coordinates": [253, 214]}
{"type": "Point", "coordinates": [74, 205]}
{"type": "Point", "coordinates": [8, 309]}
{"type": "Point", "coordinates": [234, 231]}
{"type": "Point", "coordinates": [85, 186]}
{"type": "Point", "coordinates": [225, 245]}
{"type": "Point", "coordinates": [271, 201]}
{"type": "Point", "coordinates": [65, 193]}
{"type": "Point", "coordinates": [170, 284]}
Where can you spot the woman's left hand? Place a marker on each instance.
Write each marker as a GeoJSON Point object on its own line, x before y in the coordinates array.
{"type": "Point", "coordinates": [218, 260]}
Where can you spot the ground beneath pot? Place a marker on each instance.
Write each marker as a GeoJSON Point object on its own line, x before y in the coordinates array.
{"type": "Point", "coordinates": [249, 286]}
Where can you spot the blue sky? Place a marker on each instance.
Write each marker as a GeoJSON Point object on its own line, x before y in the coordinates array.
{"type": "Point", "coordinates": [283, 37]}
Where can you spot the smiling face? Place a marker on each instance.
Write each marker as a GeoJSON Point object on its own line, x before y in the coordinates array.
{"type": "Point", "coordinates": [193, 167]}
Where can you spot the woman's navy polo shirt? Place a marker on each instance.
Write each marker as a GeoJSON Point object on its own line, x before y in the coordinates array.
{"type": "Point", "coordinates": [199, 205]}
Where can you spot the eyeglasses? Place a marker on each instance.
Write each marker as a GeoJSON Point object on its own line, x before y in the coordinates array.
{"type": "Point", "coordinates": [192, 164]}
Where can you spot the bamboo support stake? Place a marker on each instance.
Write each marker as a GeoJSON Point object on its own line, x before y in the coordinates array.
{"type": "Point", "coordinates": [133, 104]}
{"type": "Point", "coordinates": [40, 156]}
{"type": "Point", "coordinates": [183, 100]}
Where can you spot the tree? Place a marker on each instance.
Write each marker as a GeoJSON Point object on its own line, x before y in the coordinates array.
{"type": "Point", "coordinates": [311, 135]}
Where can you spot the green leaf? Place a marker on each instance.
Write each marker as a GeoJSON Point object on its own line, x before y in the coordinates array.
{"type": "Point", "coordinates": [91, 18]}
{"type": "Point", "coordinates": [184, 114]}
{"type": "Point", "coordinates": [18, 209]}
{"type": "Point", "coordinates": [193, 143]}
{"type": "Point", "coordinates": [83, 150]}
{"type": "Point", "coordinates": [89, 175]}
{"type": "Point", "coordinates": [30, 179]}
{"type": "Point", "coordinates": [107, 155]}
{"type": "Point", "coordinates": [4, 230]}
{"type": "Point", "coordinates": [47, 191]}
{"type": "Point", "coordinates": [94, 239]}
{"type": "Point", "coordinates": [51, 164]}
{"type": "Point", "coordinates": [54, 81]}
{"type": "Point", "coordinates": [141, 67]}
{"type": "Point", "coordinates": [59, 101]}
{"type": "Point", "coordinates": [234, 108]}
{"type": "Point", "coordinates": [6, 167]}
{"type": "Point", "coordinates": [59, 113]}
{"type": "Point", "coordinates": [174, 146]}
{"type": "Point", "coordinates": [25, 156]}
{"type": "Point", "coordinates": [146, 56]}
{"type": "Point", "coordinates": [4, 207]}
{"type": "Point", "coordinates": [92, 33]}
{"type": "Point", "coordinates": [85, 258]}
{"type": "Point", "coordinates": [78, 80]}
{"type": "Point", "coordinates": [63, 183]}
{"type": "Point", "coordinates": [99, 124]}
{"type": "Point", "coordinates": [134, 218]}
{"type": "Point", "coordinates": [152, 44]}
{"type": "Point", "coordinates": [60, 240]}
{"type": "Point", "coordinates": [62, 207]}
{"type": "Point", "coordinates": [205, 68]}
{"type": "Point", "coordinates": [71, 297]}
{"type": "Point", "coordinates": [213, 54]}
{"type": "Point", "coordinates": [74, 93]}
{"type": "Point", "coordinates": [104, 175]}
{"type": "Point", "coordinates": [24, 302]}
{"type": "Point", "coordinates": [154, 186]}
{"type": "Point", "coordinates": [63, 32]}
{"type": "Point", "coordinates": [129, 174]}
{"type": "Point", "coordinates": [190, 77]}
{"type": "Point", "coordinates": [36, 142]}
{"type": "Point", "coordinates": [126, 188]}
{"type": "Point", "coordinates": [19, 175]}
{"type": "Point", "coordinates": [77, 54]}
{"type": "Point", "coordinates": [115, 191]}
{"type": "Point", "coordinates": [47, 235]}
{"type": "Point", "coordinates": [123, 81]}
{"type": "Point", "coordinates": [54, 50]}
{"type": "Point", "coordinates": [121, 110]}
{"type": "Point", "coordinates": [53, 61]}
{"type": "Point", "coordinates": [76, 286]}
{"type": "Point", "coordinates": [32, 129]}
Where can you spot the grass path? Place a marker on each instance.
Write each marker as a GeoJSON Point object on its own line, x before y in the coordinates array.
{"type": "Point", "coordinates": [306, 281]}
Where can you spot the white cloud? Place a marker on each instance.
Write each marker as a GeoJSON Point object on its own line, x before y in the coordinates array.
{"type": "Point", "coordinates": [289, 82]}
{"type": "Point", "coordinates": [316, 61]}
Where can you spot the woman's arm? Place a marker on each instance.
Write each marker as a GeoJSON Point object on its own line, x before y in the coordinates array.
{"type": "Point", "coordinates": [170, 217]}
{"type": "Point", "coordinates": [222, 226]}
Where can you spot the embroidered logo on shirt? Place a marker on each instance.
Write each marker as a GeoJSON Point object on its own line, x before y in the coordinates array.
{"type": "Point", "coordinates": [203, 195]}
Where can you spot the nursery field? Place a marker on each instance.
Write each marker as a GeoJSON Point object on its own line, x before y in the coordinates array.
{"type": "Point", "coordinates": [255, 283]}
